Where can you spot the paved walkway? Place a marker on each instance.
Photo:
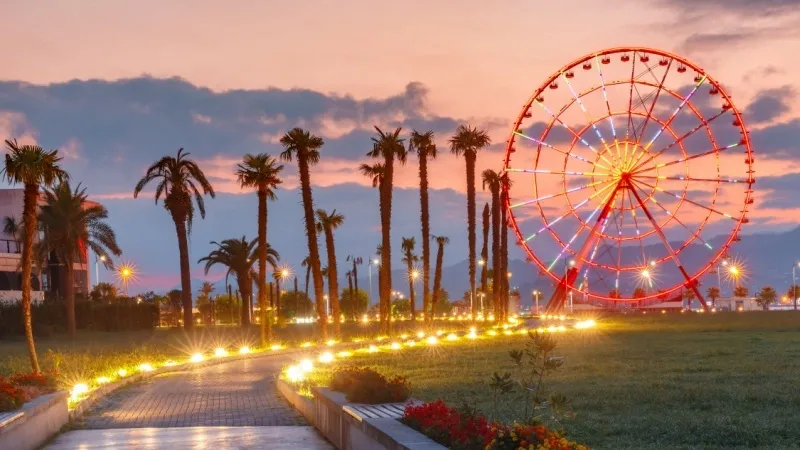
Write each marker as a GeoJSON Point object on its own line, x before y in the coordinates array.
{"type": "Point", "coordinates": [227, 405]}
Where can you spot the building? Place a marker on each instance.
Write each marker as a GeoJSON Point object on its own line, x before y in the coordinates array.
{"type": "Point", "coordinates": [47, 281]}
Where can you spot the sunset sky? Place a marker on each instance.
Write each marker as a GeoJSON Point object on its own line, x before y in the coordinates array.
{"type": "Point", "coordinates": [116, 84]}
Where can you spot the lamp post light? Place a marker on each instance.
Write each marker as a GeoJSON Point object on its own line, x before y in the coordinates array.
{"type": "Point", "coordinates": [125, 273]}
{"type": "Point", "coordinates": [97, 268]}
{"type": "Point", "coordinates": [536, 299]}
{"type": "Point", "coordinates": [719, 277]}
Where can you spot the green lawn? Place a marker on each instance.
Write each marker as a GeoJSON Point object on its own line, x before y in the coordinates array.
{"type": "Point", "coordinates": [727, 380]}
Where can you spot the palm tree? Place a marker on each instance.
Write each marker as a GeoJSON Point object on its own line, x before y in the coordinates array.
{"type": "Point", "coordinates": [356, 262]}
{"type": "Point", "coordinates": [505, 183]}
{"type": "Point", "coordinates": [307, 264]}
{"type": "Point", "coordinates": [425, 148]}
{"type": "Point", "coordinates": [713, 293]}
{"type": "Point", "coordinates": [326, 223]}
{"type": "Point", "coordinates": [466, 142]}
{"type": "Point", "coordinates": [491, 180]}
{"type": "Point", "coordinates": [238, 255]}
{"type": "Point", "coordinates": [766, 296]}
{"type": "Point", "coordinates": [178, 179]}
{"type": "Point", "coordinates": [72, 226]}
{"type": "Point", "coordinates": [206, 289]}
{"type": "Point", "coordinates": [389, 147]}
{"type": "Point", "coordinates": [485, 251]}
{"type": "Point", "coordinates": [33, 167]}
{"type": "Point", "coordinates": [410, 258]}
{"type": "Point", "coordinates": [261, 172]}
{"type": "Point", "coordinates": [11, 226]}
{"type": "Point", "coordinates": [304, 146]}
{"type": "Point", "coordinates": [441, 241]}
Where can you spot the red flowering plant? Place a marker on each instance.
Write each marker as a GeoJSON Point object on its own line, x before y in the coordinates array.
{"type": "Point", "coordinates": [365, 385]}
{"type": "Point", "coordinates": [11, 396]}
{"type": "Point", "coordinates": [35, 384]}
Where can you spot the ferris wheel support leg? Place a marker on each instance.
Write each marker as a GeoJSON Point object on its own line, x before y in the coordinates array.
{"type": "Point", "coordinates": [691, 284]}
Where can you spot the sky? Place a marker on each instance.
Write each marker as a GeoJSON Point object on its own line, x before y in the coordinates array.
{"type": "Point", "coordinates": [115, 85]}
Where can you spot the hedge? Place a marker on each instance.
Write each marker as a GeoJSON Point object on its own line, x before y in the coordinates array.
{"type": "Point", "coordinates": [49, 318]}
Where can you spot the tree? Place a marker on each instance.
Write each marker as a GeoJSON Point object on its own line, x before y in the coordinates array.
{"type": "Point", "coordinates": [441, 241]}
{"type": "Point", "coordinates": [71, 226]}
{"type": "Point", "coordinates": [766, 296]}
{"type": "Point", "coordinates": [301, 145]}
{"type": "Point", "coordinates": [293, 303]}
{"type": "Point", "coordinates": [103, 293]}
{"type": "Point", "coordinates": [354, 273]}
{"type": "Point", "coordinates": [307, 264]}
{"type": "Point", "coordinates": [443, 305]}
{"type": "Point", "coordinates": [425, 148]}
{"type": "Point", "coordinates": [713, 293]}
{"type": "Point", "coordinates": [491, 179]}
{"type": "Point", "coordinates": [410, 258]}
{"type": "Point", "coordinates": [31, 166]}
{"type": "Point", "coordinates": [466, 142]}
{"type": "Point", "coordinates": [688, 295]}
{"type": "Point", "coordinates": [505, 183]}
{"type": "Point", "coordinates": [741, 291]}
{"type": "Point", "coordinates": [387, 146]}
{"type": "Point", "coordinates": [401, 306]}
{"type": "Point", "coordinates": [792, 293]}
{"type": "Point", "coordinates": [175, 304]}
{"type": "Point", "coordinates": [262, 173]}
{"type": "Point", "coordinates": [178, 180]}
{"type": "Point", "coordinates": [11, 227]}
{"type": "Point", "coordinates": [206, 289]}
{"type": "Point", "coordinates": [639, 293]}
{"type": "Point", "coordinates": [354, 304]}
{"type": "Point", "coordinates": [485, 250]}
{"type": "Point", "coordinates": [238, 256]}
{"type": "Point", "coordinates": [326, 223]}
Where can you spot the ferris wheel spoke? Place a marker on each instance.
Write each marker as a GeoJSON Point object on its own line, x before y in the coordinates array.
{"type": "Point", "coordinates": [703, 180]}
{"type": "Point", "coordinates": [586, 113]}
{"type": "Point", "coordinates": [695, 234]}
{"type": "Point", "coordinates": [575, 208]}
{"type": "Point", "coordinates": [666, 243]}
{"type": "Point", "coordinates": [605, 97]}
{"type": "Point", "coordinates": [555, 172]}
{"type": "Point", "coordinates": [630, 97]}
{"type": "Point", "coordinates": [573, 133]}
{"type": "Point", "coordinates": [688, 158]}
{"type": "Point", "coordinates": [569, 154]}
{"type": "Point", "coordinates": [692, 202]}
{"type": "Point", "coordinates": [655, 100]}
{"type": "Point", "coordinates": [568, 191]}
{"type": "Point", "coordinates": [636, 225]}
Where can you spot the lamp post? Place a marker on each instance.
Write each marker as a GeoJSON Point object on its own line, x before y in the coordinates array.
{"type": "Point", "coordinates": [794, 286]}
{"type": "Point", "coordinates": [125, 273]}
{"type": "Point", "coordinates": [719, 277]}
{"type": "Point", "coordinates": [536, 300]}
{"type": "Point", "coordinates": [376, 262]}
{"type": "Point", "coordinates": [327, 305]}
{"type": "Point", "coordinates": [97, 268]}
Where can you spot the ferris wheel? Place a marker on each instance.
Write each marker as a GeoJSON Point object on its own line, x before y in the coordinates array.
{"type": "Point", "coordinates": [629, 174]}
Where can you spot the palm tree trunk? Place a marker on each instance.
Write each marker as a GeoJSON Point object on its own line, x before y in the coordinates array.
{"type": "Point", "coordinates": [69, 295]}
{"type": "Point", "coordinates": [355, 276]}
{"type": "Point", "coordinates": [29, 222]}
{"type": "Point", "coordinates": [308, 278]}
{"type": "Point", "coordinates": [313, 249]}
{"type": "Point", "coordinates": [437, 279]}
{"type": "Point", "coordinates": [186, 281]}
{"type": "Point", "coordinates": [426, 238]}
{"type": "Point", "coordinates": [386, 241]}
{"type": "Point", "coordinates": [497, 266]}
{"type": "Point", "coordinates": [504, 249]}
{"type": "Point", "coordinates": [266, 319]}
{"type": "Point", "coordinates": [411, 290]}
{"type": "Point", "coordinates": [485, 253]}
{"type": "Point", "coordinates": [352, 296]}
{"type": "Point", "coordinates": [470, 158]}
{"type": "Point", "coordinates": [278, 297]}
{"type": "Point", "coordinates": [333, 281]}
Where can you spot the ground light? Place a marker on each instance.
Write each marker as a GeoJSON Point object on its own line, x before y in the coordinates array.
{"type": "Point", "coordinates": [78, 390]}
{"type": "Point", "coordinates": [244, 350]}
{"type": "Point", "coordinates": [146, 367]}
{"type": "Point", "coordinates": [220, 352]}
{"type": "Point", "coordinates": [197, 357]}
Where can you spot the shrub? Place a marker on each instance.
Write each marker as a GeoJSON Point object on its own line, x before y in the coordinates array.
{"type": "Point", "coordinates": [11, 396]}
{"type": "Point", "coordinates": [365, 385]}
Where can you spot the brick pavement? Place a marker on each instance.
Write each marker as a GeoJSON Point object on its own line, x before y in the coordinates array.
{"type": "Point", "coordinates": [237, 393]}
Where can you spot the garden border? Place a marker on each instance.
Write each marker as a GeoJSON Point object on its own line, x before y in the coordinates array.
{"type": "Point", "coordinates": [41, 419]}
{"type": "Point", "coordinates": [345, 432]}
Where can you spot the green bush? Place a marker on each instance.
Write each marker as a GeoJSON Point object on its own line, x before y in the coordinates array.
{"type": "Point", "coordinates": [49, 318]}
{"type": "Point", "coordinates": [365, 385]}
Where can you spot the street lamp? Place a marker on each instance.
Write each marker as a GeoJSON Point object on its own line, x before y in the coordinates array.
{"type": "Point", "coordinates": [97, 269]}
{"type": "Point", "coordinates": [125, 273]}
{"type": "Point", "coordinates": [794, 286]}
{"type": "Point", "coordinates": [376, 262]}
{"type": "Point", "coordinates": [327, 305]}
{"type": "Point", "coordinates": [536, 299]}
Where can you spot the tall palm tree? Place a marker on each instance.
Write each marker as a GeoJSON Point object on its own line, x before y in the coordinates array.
{"type": "Point", "coordinates": [11, 226]}
{"type": "Point", "coordinates": [33, 167]}
{"type": "Point", "coordinates": [389, 147]}
{"type": "Point", "coordinates": [410, 258]}
{"type": "Point", "coordinates": [71, 227]}
{"type": "Point", "coordinates": [485, 251]}
{"type": "Point", "coordinates": [356, 262]}
{"type": "Point", "coordinates": [505, 183]}
{"type": "Point", "coordinates": [425, 148]}
{"type": "Point", "coordinates": [304, 146]}
{"type": "Point", "coordinates": [307, 264]}
{"type": "Point", "coordinates": [467, 142]}
{"type": "Point", "coordinates": [178, 179]}
{"type": "Point", "coordinates": [262, 173]}
{"type": "Point", "coordinates": [238, 255]}
{"type": "Point", "coordinates": [326, 223]}
{"type": "Point", "coordinates": [491, 180]}
{"type": "Point", "coordinates": [206, 289]}
{"type": "Point", "coordinates": [441, 241]}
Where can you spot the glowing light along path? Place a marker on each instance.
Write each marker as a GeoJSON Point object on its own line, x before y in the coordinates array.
{"type": "Point", "coordinates": [687, 200]}
{"type": "Point", "coordinates": [560, 151]}
{"type": "Point", "coordinates": [566, 247]}
{"type": "Point", "coordinates": [547, 227]}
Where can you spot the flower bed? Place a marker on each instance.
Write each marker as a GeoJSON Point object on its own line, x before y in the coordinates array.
{"type": "Point", "coordinates": [24, 387]}
{"type": "Point", "coordinates": [460, 431]}
{"type": "Point", "coordinates": [365, 385]}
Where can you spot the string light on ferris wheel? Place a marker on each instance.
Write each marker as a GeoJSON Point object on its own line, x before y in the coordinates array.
{"type": "Point", "coordinates": [629, 174]}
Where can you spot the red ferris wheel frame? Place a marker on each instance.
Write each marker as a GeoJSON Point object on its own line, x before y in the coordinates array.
{"type": "Point", "coordinates": [625, 181]}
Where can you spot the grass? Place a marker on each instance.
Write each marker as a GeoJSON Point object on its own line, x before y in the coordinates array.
{"type": "Point", "coordinates": [95, 354]}
{"type": "Point", "coordinates": [728, 380]}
